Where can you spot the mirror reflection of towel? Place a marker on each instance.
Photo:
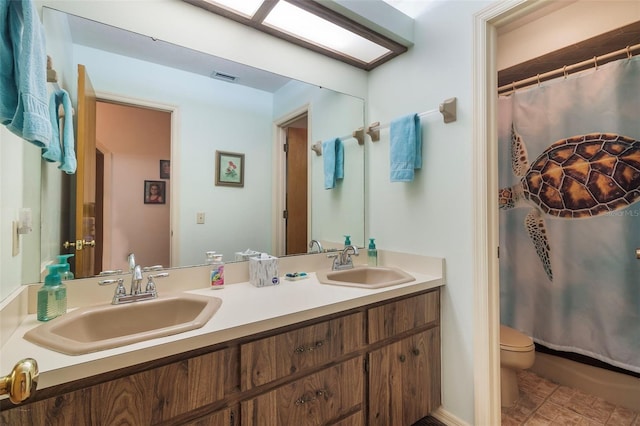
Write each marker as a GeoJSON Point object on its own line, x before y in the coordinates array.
{"type": "Point", "coordinates": [405, 147]}
{"type": "Point", "coordinates": [64, 152]}
{"type": "Point", "coordinates": [333, 157]}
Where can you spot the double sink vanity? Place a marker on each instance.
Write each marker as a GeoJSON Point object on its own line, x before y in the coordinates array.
{"type": "Point", "coordinates": [350, 347]}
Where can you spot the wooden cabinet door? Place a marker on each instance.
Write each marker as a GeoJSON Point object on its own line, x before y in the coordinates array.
{"type": "Point", "coordinates": [404, 380]}
{"type": "Point", "coordinates": [317, 399]}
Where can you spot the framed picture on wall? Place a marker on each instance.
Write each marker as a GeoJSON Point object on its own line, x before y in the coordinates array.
{"type": "Point", "coordinates": [154, 191]}
{"type": "Point", "coordinates": [165, 169]}
{"type": "Point", "coordinates": [229, 169]}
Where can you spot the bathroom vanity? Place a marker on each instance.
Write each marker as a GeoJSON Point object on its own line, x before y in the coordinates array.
{"type": "Point", "coordinates": [313, 354]}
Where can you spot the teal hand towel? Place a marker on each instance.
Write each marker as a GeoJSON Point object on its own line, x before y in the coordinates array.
{"type": "Point", "coordinates": [406, 147]}
{"type": "Point", "coordinates": [23, 59]}
{"type": "Point", "coordinates": [333, 159]}
{"type": "Point", "coordinates": [64, 152]}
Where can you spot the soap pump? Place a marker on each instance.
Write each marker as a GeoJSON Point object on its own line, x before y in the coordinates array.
{"type": "Point", "coordinates": [65, 273]}
{"type": "Point", "coordinates": [347, 240]}
{"type": "Point", "coordinates": [52, 296]}
{"type": "Point", "coordinates": [372, 253]}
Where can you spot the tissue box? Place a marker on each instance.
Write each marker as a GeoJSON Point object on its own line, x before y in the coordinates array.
{"type": "Point", "coordinates": [246, 255]}
{"type": "Point", "coordinates": [263, 271]}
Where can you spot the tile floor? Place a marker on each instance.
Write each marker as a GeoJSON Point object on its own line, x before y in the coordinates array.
{"type": "Point", "coordinates": [543, 402]}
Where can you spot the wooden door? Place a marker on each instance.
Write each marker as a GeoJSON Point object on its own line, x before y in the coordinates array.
{"type": "Point", "coordinates": [404, 380]}
{"type": "Point", "coordinates": [85, 205]}
{"type": "Point", "coordinates": [296, 197]}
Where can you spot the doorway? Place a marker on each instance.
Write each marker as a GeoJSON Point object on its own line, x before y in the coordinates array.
{"type": "Point", "coordinates": [486, 284]}
{"type": "Point", "coordinates": [296, 196]}
{"type": "Point", "coordinates": [133, 143]}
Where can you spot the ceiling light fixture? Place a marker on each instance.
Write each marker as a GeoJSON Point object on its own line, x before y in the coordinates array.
{"type": "Point", "coordinates": [333, 31]}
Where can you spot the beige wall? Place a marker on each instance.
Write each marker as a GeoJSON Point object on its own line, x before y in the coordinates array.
{"type": "Point", "coordinates": [560, 24]}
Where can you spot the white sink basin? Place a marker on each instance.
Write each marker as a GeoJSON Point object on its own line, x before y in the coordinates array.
{"type": "Point", "coordinates": [365, 277]}
{"type": "Point", "coordinates": [95, 328]}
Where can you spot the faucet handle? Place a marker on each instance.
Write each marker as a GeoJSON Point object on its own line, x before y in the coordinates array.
{"type": "Point", "coordinates": [152, 268]}
{"type": "Point", "coordinates": [120, 290]}
{"type": "Point", "coordinates": [151, 286]}
{"type": "Point", "coordinates": [110, 272]}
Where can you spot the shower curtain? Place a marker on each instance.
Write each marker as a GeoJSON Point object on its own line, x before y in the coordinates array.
{"type": "Point", "coordinates": [570, 216]}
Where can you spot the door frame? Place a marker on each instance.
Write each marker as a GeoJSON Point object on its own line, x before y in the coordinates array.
{"type": "Point", "coordinates": [486, 358]}
{"type": "Point", "coordinates": [279, 183]}
{"type": "Point", "coordinates": [174, 182]}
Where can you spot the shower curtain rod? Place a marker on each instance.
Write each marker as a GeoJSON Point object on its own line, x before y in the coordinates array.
{"type": "Point", "coordinates": [512, 87]}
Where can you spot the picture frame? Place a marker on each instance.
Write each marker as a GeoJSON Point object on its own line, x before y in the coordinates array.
{"type": "Point", "coordinates": [165, 169]}
{"type": "Point", "coordinates": [155, 192]}
{"type": "Point", "coordinates": [229, 169]}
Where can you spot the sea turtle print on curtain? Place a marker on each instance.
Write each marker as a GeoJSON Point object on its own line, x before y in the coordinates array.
{"type": "Point", "coordinates": [569, 154]}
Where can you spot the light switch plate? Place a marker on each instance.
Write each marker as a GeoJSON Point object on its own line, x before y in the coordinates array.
{"type": "Point", "coordinates": [200, 218]}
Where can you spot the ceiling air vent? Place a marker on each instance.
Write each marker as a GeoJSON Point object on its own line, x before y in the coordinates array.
{"type": "Point", "coordinates": [224, 77]}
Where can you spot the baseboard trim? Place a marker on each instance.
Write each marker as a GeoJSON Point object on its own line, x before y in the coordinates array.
{"type": "Point", "coordinates": [447, 418]}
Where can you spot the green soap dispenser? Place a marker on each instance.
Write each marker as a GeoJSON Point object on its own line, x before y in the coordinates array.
{"type": "Point", "coordinates": [65, 273]}
{"type": "Point", "coordinates": [347, 240]}
{"type": "Point", "coordinates": [52, 297]}
{"type": "Point", "coordinates": [372, 253]}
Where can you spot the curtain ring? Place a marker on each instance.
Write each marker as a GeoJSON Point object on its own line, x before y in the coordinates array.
{"type": "Point", "coordinates": [628, 52]}
{"type": "Point", "coordinates": [538, 80]}
{"type": "Point", "coordinates": [595, 61]}
{"type": "Point", "coordinates": [564, 71]}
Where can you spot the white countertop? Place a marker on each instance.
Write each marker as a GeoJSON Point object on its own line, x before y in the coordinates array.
{"type": "Point", "coordinates": [245, 310]}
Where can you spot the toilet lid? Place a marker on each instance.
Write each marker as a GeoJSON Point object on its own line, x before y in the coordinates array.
{"type": "Point", "coordinates": [513, 340]}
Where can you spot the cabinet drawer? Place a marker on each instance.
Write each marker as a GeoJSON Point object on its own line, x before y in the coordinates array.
{"type": "Point", "coordinates": [397, 317]}
{"type": "Point", "coordinates": [145, 398]}
{"type": "Point", "coordinates": [313, 400]}
{"type": "Point", "coordinates": [271, 358]}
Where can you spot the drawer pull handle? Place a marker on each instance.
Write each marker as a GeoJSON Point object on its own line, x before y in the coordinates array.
{"type": "Point", "coordinates": [302, 349]}
{"type": "Point", "coordinates": [403, 358]}
{"type": "Point", "coordinates": [415, 351]}
{"type": "Point", "coordinates": [306, 399]}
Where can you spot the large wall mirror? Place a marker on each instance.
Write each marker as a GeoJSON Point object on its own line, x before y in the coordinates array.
{"type": "Point", "coordinates": [159, 103]}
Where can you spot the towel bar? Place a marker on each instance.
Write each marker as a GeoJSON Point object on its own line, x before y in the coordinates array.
{"type": "Point", "coordinates": [357, 134]}
{"type": "Point", "coordinates": [447, 108]}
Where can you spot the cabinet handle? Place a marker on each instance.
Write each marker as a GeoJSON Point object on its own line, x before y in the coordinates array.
{"type": "Point", "coordinates": [415, 351]}
{"type": "Point", "coordinates": [306, 399]}
{"type": "Point", "coordinates": [403, 358]}
{"type": "Point", "coordinates": [302, 349]}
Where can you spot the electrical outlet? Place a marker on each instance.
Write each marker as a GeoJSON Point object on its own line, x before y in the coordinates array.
{"type": "Point", "coordinates": [200, 218]}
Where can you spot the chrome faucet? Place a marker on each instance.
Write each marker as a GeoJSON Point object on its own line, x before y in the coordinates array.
{"type": "Point", "coordinates": [343, 259]}
{"type": "Point", "coordinates": [136, 279]}
{"type": "Point", "coordinates": [317, 243]}
{"type": "Point", "coordinates": [136, 294]}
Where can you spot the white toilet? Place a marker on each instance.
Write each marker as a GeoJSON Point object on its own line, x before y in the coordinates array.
{"type": "Point", "coordinates": [517, 352]}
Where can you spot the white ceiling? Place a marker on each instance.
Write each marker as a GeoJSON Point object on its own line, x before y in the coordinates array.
{"type": "Point", "coordinates": [115, 40]}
